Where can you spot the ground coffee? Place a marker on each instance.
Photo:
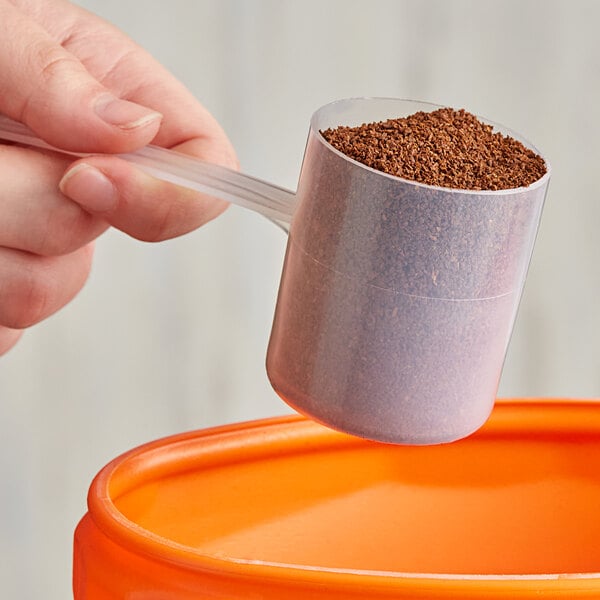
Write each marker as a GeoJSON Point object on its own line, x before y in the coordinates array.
{"type": "Point", "coordinates": [397, 299]}
{"type": "Point", "coordinates": [446, 147]}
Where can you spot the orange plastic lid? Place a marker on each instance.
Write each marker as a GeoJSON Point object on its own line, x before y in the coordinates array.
{"type": "Point", "coordinates": [285, 508]}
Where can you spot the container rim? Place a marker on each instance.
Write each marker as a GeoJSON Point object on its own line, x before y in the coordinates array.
{"type": "Point", "coordinates": [253, 439]}
{"type": "Point", "coordinates": [541, 182]}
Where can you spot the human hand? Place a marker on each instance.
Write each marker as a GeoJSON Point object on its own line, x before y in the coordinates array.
{"type": "Point", "coordinates": [82, 85]}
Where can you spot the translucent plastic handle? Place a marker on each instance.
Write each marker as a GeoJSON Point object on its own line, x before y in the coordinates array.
{"type": "Point", "coordinates": [272, 201]}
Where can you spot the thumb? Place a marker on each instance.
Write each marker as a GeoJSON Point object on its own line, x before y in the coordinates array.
{"type": "Point", "coordinates": [49, 89]}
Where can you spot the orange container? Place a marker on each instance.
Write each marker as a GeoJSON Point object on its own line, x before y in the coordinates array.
{"type": "Point", "coordinates": [287, 509]}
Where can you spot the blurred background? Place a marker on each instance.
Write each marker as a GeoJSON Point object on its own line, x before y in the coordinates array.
{"type": "Point", "coordinates": [172, 337]}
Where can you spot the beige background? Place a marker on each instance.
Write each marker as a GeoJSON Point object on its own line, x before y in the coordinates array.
{"type": "Point", "coordinates": [172, 337]}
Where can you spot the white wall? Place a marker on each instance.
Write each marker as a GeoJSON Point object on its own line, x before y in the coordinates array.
{"type": "Point", "coordinates": [172, 337]}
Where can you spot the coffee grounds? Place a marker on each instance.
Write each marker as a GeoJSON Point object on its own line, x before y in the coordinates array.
{"type": "Point", "coordinates": [446, 148]}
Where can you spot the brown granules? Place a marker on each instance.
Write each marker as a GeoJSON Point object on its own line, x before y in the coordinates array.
{"type": "Point", "coordinates": [446, 148]}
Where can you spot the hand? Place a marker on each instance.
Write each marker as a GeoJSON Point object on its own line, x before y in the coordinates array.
{"type": "Point", "coordinates": [82, 85]}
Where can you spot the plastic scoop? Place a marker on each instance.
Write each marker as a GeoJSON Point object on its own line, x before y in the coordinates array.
{"type": "Point", "coordinates": [268, 199]}
{"type": "Point", "coordinates": [397, 299]}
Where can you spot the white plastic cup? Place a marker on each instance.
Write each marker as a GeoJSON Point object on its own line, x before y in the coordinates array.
{"type": "Point", "coordinates": [397, 299]}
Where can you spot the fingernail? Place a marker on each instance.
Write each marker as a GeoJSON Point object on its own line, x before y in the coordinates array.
{"type": "Point", "coordinates": [90, 188]}
{"type": "Point", "coordinates": [124, 114]}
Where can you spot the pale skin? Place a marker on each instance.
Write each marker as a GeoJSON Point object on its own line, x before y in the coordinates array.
{"type": "Point", "coordinates": [82, 85]}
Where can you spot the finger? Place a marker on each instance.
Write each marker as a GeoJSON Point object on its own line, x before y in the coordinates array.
{"type": "Point", "coordinates": [36, 217]}
{"type": "Point", "coordinates": [131, 72]}
{"type": "Point", "coordinates": [136, 203]}
{"type": "Point", "coordinates": [34, 287]}
{"type": "Point", "coordinates": [8, 338]}
{"type": "Point", "coordinates": [53, 93]}
{"type": "Point", "coordinates": [184, 118]}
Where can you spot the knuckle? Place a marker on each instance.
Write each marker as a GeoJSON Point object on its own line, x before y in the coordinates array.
{"type": "Point", "coordinates": [52, 60]}
{"type": "Point", "coordinates": [49, 62]}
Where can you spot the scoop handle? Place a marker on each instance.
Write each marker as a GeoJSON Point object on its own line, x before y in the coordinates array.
{"type": "Point", "coordinates": [272, 201]}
